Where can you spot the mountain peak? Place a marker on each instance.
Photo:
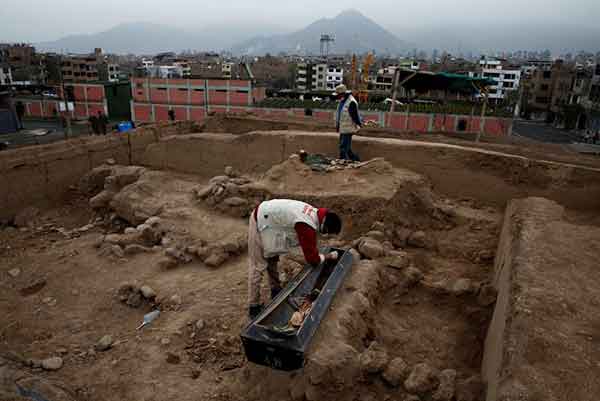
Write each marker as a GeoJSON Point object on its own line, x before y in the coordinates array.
{"type": "Point", "coordinates": [351, 12]}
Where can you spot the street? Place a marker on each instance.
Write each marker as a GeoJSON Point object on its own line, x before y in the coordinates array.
{"type": "Point", "coordinates": [33, 133]}
{"type": "Point", "coordinates": [542, 132]}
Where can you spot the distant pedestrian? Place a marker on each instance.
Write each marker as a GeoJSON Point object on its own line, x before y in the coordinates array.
{"type": "Point", "coordinates": [102, 122]}
{"type": "Point", "coordinates": [347, 121]}
{"type": "Point", "coordinates": [171, 115]}
{"type": "Point", "coordinates": [597, 137]}
{"type": "Point", "coordinates": [20, 109]}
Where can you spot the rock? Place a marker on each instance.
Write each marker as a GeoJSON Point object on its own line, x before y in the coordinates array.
{"type": "Point", "coordinates": [355, 255]}
{"type": "Point", "coordinates": [130, 230]}
{"type": "Point", "coordinates": [203, 252]}
{"type": "Point", "coordinates": [62, 351]}
{"type": "Point", "coordinates": [167, 263]}
{"type": "Point", "coordinates": [470, 389]}
{"type": "Point", "coordinates": [200, 324]}
{"type": "Point", "coordinates": [14, 273]}
{"type": "Point", "coordinates": [376, 235]}
{"type": "Point", "coordinates": [204, 192]}
{"type": "Point", "coordinates": [148, 292]}
{"type": "Point", "coordinates": [446, 389]}
{"type": "Point", "coordinates": [400, 238]}
{"type": "Point", "coordinates": [235, 202]}
{"type": "Point", "coordinates": [371, 249]}
{"type": "Point", "coordinates": [231, 247]}
{"type": "Point", "coordinates": [102, 200]}
{"type": "Point", "coordinates": [396, 372]}
{"type": "Point", "coordinates": [374, 359]}
{"type": "Point", "coordinates": [125, 290]}
{"type": "Point", "coordinates": [54, 363]}
{"type": "Point", "coordinates": [135, 249]}
{"type": "Point", "coordinates": [33, 287]}
{"type": "Point", "coordinates": [418, 239]}
{"type": "Point", "coordinates": [388, 247]}
{"type": "Point", "coordinates": [485, 256]}
{"type": "Point", "coordinates": [110, 162]}
{"type": "Point", "coordinates": [104, 344]}
{"type": "Point", "coordinates": [27, 217]}
{"type": "Point", "coordinates": [461, 286]}
{"type": "Point", "coordinates": [216, 259]}
{"type": "Point", "coordinates": [173, 358]}
{"type": "Point", "coordinates": [397, 260]}
{"type": "Point", "coordinates": [413, 276]}
{"type": "Point", "coordinates": [176, 300]}
{"type": "Point", "coordinates": [116, 251]}
{"type": "Point", "coordinates": [487, 295]}
{"type": "Point", "coordinates": [153, 221]}
{"type": "Point", "coordinates": [220, 179]}
{"type": "Point", "coordinates": [229, 171]}
{"type": "Point", "coordinates": [165, 341]}
{"type": "Point", "coordinates": [378, 226]}
{"type": "Point", "coordinates": [421, 380]}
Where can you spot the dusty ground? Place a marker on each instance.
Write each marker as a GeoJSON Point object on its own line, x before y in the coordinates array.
{"type": "Point", "coordinates": [63, 298]}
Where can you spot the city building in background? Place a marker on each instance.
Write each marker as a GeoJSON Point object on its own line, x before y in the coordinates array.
{"type": "Point", "coordinates": [5, 74]}
{"type": "Point", "coordinates": [507, 78]}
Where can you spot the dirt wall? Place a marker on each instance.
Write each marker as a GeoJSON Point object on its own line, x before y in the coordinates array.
{"type": "Point", "coordinates": [489, 177]}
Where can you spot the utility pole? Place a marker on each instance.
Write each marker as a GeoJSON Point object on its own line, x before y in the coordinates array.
{"type": "Point", "coordinates": [68, 133]}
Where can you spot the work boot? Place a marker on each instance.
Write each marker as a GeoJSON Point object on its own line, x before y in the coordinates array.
{"type": "Point", "coordinates": [254, 311]}
{"type": "Point", "coordinates": [275, 291]}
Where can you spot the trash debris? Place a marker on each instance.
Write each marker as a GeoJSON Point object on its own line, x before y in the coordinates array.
{"type": "Point", "coordinates": [149, 318]}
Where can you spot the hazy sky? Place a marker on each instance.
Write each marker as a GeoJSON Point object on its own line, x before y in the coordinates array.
{"type": "Point", "coordinates": [43, 20]}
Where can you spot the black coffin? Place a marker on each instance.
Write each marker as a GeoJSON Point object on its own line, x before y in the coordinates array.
{"type": "Point", "coordinates": [263, 346]}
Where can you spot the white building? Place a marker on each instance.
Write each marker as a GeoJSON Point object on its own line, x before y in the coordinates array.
{"type": "Point", "coordinates": [226, 70]}
{"type": "Point", "coordinates": [5, 75]}
{"type": "Point", "coordinates": [186, 68]}
{"type": "Point", "coordinates": [113, 72]}
{"type": "Point", "coordinates": [335, 77]}
{"type": "Point", "coordinates": [507, 80]}
{"type": "Point", "coordinates": [302, 76]}
{"type": "Point", "coordinates": [165, 71]}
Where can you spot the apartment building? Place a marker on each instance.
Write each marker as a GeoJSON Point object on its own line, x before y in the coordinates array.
{"type": "Point", "coordinates": [5, 74]}
{"type": "Point", "coordinates": [547, 89]}
{"type": "Point", "coordinates": [507, 78]}
{"type": "Point", "coordinates": [334, 77]}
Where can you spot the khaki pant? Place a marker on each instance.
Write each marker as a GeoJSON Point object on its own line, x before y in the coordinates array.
{"type": "Point", "coordinates": [258, 264]}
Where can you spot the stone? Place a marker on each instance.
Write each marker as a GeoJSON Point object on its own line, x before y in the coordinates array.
{"type": "Point", "coordinates": [376, 235]}
{"type": "Point", "coordinates": [400, 238]}
{"type": "Point", "coordinates": [54, 363]}
{"type": "Point", "coordinates": [461, 286]}
{"type": "Point", "coordinates": [216, 259]}
{"type": "Point", "coordinates": [231, 247]}
{"type": "Point", "coordinates": [471, 389]}
{"type": "Point", "coordinates": [126, 289]}
{"type": "Point", "coordinates": [203, 252]}
{"type": "Point", "coordinates": [421, 380]}
{"type": "Point", "coordinates": [148, 292]}
{"type": "Point", "coordinates": [418, 239]}
{"type": "Point", "coordinates": [102, 200]}
{"type": "Point", "coordinates": [130, 230]}
{"type": "Point", "coordinates": [235, 202]}
{"type": "Point", "coordinates": [165, 342]}
{"type": "Point", "coordinates": [396, 372]}
{"type": "Point", "coordinates": [110, 162]}
{"type": "Point", "coordinates": [371, 249]}
{"type": "Point", "coordinates": [413, 276]}
{"type": "Point", "coordinates": [220, 179]}
{"type": "Point", "coordinates": [374, 359]}
{"type": "Point", "coordinates": [355, 254]}
{"type": "Point", "coordinates": [33, 287]}
{"type": "Point", "coordinates": [173, 358]}
{"type": "Point", "coordinates": [104, 344]}
{"type": "Point", "coordinates": [153, 221]}
{"type": "Point", "coordinates": [14, 273]}
{"type": "Point", "coordinates": [167, 263]}
{"type": "Point", "coordinates": [117, 251]}
{"type": "Point", "coordinates": [485, 256]}
{"type": "Point", "coordinates": [397, 260]}
{"type": "Point", "coordinates": [204, 192]}
{"type": "Point", "coordinates": [135, 249]}
{"type": "Point", "coordinates": [229, 171]}
{"type": "Point", "coordinates": [446, 389]}
{"type": "Point", "coordinates": [176, 300]}
{"type": "Point", "coordinates": [200, 324]}
{"type": "Point", "coordinates": [487, 295]}
{"type": "Point", "coordinates": [378, 226]}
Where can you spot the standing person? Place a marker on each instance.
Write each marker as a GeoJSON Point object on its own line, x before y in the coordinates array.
{"type": "Point", "coordinates": [347, 121]}
{"type": "Point", "coordinates": [172, 115]}
{"type": "Point", "coordinates": [20, 109]}
{"type": "Point", "coordinates": [93, 120]}
{"type": "Point", "coordinates": [102, 122]}
{"type": "Point", "coordinates": [275, 227]}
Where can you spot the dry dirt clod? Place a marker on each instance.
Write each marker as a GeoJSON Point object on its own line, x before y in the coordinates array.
{"type": "Point", "coordinates": [421, 380]}
{"type": "Point", "coordinates": [173, 358]}
{"type": "Point", "coordinates": [371, 249]}
{"type": "Point", "coordinates": [413, 276]}
{"type": "Point", "coordinates": [54, 363]}
{"type": "Point", "coordinates": [397, 260]}
{"type": "Point", "coordinates": [418, 239]}
{"type": "Point", "coordinates": [374, 359]}
{"type": "Point", "coordinates": [135, 249]}
{"type": "Point", "coordinates": [461, 286]}
{"type": "Point", "coordinates": [376, 235]}
{"type": "Point", "coordinates": [216, 259]}
{"type": "Point", "coordinates": [446, 389]}
{"type": "Point", "coordinates": [14, 273]}
{"type": "Point", "coordinates": [104, 344]}
{"type": "Point", "coordinates": [167, 263]}
{"type": "Point", "coordinates": [396, 372]}
{"type": "Point", "coordinates": [148, 292]}
{"type": "Point", "coordinates": [200, 324]}
{"type": "Point", "coordinates": [33, 287]}
{"type": "Point", "coordinates": [134, 300]}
